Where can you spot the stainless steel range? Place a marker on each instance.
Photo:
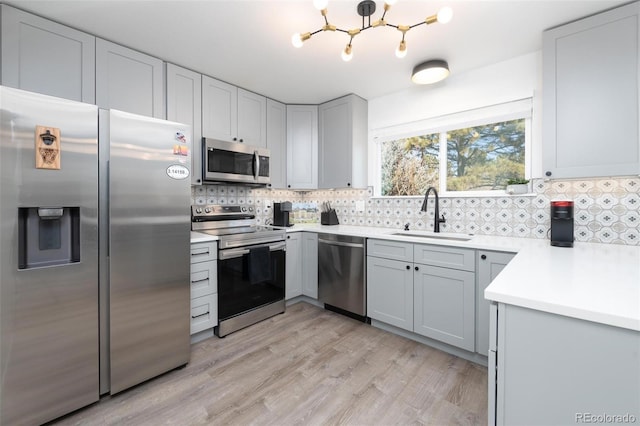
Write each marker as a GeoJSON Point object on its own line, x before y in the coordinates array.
{"type": "Point", "coordinates": [251, 265]}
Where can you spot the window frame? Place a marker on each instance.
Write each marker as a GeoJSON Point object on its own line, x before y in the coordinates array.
{"type": "Point", "coordinates": [513, 110]}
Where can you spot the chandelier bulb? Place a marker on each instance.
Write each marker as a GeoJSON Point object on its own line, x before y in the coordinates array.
{"type": "Point", "coordinates": [296, 40]}
{"type": "Point", "coordinates": [401, 50]}
{"type": "Point", "coordinates": [320, 4]}
{"type": "Point", "coordinates": [391, 2]}
{"type": "Point", "coordinates": [347, 54]}
{"type": "Point", "coordinates": [445, 14]}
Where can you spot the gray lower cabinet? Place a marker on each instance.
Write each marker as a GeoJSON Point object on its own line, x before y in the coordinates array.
{"type": "Point", "coordinates": [302, 265]}
{"type": "Point", "coordinates": [408, 287]}
{"type": "Point", "coordinates": [557, 370]}
{"type": "Point", "coordinates": [293, 275]}
{"type": "Point", "coordinates": [42, 56]}
{"type": "Point", "coordinates": [204, 286]}
{"type": "Point", "coordinates": [128, 80]}
{"type": "Point", "coordinates": [444, 302]}
{"type": "Point", "coordinates": [490, 264]}
{"type": "Point", "coordinates": [184, 105]}
{"type": "Point", "coordinates": [310, 264]}
{"type": "Point", "coordinates": [390, 291]}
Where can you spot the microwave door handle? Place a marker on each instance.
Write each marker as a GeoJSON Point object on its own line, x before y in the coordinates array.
{"type": "Point", "coordinates": [256, 165]}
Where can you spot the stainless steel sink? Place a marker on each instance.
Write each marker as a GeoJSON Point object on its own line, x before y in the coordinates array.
{"type": "Point", "coordinates": [434, 235]}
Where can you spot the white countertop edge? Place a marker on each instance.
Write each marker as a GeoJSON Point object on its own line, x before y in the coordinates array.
{"type": "Point", "coordinates": [565, 310]}
{"type": "Point", "coordinates": [199, 237]}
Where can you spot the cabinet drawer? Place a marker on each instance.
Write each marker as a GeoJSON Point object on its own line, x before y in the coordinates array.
{"type": "Point", "coordinates": [393, 250]}
{"type": "Point", "coordinates": [204, 278]}
{"type": "Point", "coordinates": [204, 313]}
{"type": "Point", "coordinates": [446, 257]}
{"type": "Point", "coordinates": [202, 252]}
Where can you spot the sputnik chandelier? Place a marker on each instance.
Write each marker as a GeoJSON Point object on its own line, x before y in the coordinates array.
{"type": "Point", "coordinates": [366, 8]}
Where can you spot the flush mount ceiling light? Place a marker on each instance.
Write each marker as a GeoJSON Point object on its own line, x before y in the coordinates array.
{"type": "Point", "coordinates": [430, 72]}
{"type": "Point", "coordinates": [366, 8]}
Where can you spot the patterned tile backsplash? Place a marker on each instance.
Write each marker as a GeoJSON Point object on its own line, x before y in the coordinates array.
{"type": "Point", "coordinates": [605, 210]}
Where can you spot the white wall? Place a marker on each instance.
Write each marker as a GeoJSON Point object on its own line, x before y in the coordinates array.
{"type": "Point", "coordinates": [517, 78]}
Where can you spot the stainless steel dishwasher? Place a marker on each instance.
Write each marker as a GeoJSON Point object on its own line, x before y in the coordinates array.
{"type": "Point", "coordinates": [342, 274]}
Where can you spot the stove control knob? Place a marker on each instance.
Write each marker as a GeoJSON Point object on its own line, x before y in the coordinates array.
{"type": "Point", "coordinates": [250, 209]}
{"type": "Point", "coordinates": [243, 209]}
{"type": "Point", "coordinates": [199, 210]}
{"type": "Point", "coordinates": [207, 210]}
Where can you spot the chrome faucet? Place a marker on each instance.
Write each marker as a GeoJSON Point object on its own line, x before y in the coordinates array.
{"type": "Point", "coordinates": [437, 220]}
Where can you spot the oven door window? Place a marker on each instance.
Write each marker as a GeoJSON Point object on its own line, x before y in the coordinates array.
{"type": "Point", "coordinates": [236, 163]}
{"type": "Point", "coordinates": [238, 290]}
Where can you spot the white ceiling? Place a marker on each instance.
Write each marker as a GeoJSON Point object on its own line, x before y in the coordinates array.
{"type": "Point", "coordinates": [247, 42]}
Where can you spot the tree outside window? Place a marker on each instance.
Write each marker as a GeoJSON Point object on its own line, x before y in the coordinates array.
{"type": "Point", "coordinates": [480, 158]}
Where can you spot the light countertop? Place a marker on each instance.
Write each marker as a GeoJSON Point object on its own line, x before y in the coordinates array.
{"type": "Point", "coordinates": [593, 282]}
{"type": "Point", "coordinates": [199, 237]}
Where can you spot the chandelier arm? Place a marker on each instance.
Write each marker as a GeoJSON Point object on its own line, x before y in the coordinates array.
{"type": "Point", "coordinates": [417, 25]}
{"type": "Point", "coordinates": [316, 31]}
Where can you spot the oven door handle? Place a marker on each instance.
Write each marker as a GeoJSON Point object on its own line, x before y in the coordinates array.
{"type": "Point", "coordinates": [233, 253]}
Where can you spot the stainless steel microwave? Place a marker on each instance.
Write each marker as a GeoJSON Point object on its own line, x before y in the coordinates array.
{"type": "Point", "coordinates": [235, 162]}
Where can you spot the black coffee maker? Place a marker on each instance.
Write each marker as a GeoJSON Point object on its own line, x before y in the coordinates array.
{"type": "Point", "coordinates": [281, 213]}
{"type": "Point", "coordinates": [562, 223]}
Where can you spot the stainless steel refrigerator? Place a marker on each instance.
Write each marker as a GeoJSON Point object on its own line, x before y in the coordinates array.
{"type": "Point", "coordinates": [94, 292]}
{"type": "Point", "coordinates": [145, 196]}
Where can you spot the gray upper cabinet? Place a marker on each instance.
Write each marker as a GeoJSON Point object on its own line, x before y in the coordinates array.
{"type": "Point", "coordinates": [277, 143]}
{"type": "Point", "coordinates": [45, 57]}
{"type": "Point", "coordinates": [302, 146]}
{"type": "Point", "coordinates": [590, 97]}
{"type": "Point", "coordinates": [233, 114]}
{"type": "Point", "coordinates": [343, 143]}
{"type": "Point", "coordinates": [490, 264]}
{"type": "Point", "coordinates": [252, 118]}
{"type": "Point", "coordinates": [128, 80]}
{"type": "Point", "coordinates": [219, 109]}
{"type": "Point", "coordinates": [184, 105]}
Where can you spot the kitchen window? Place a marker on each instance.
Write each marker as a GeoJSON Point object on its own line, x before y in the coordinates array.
{"type": "Point", "coordinates": [474, 152]}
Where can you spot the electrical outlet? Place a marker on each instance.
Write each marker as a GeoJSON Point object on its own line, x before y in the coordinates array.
{"type": "Point", "coordinates": [267, 204]}
{"type": "Point", "coordinates": [360, 206]}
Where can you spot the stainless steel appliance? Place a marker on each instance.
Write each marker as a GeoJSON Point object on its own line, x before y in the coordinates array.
{"type": "Point", "coordinates": [147, 250]}
{"type": "Point", "coordinates": [281, 212]}
{"type": "Point", "coordinates": [235, 162]}
{"type": "Point", "coordinates": [251, 265]}
{"type": "Point", "coordinates": [342, 274]}
{"type": "Point", "coordinates": [94, 264]}
{"type": "Point", "coordinates": [49, 259]}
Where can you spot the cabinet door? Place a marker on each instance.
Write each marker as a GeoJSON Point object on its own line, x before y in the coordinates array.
{"type": "Point", "coordinates": [45, 57]}
{"type": "Point", "coordinates": [390, 292]}
{"type": "Point", "coordinates": [490, 263]}
{"type": "Point", "coordinates": [293, 286]}
{"type": "Point", "coordinates": [219, 110]}
{"type": "Point", "coordinates": [277, 143]}
{"type": "Point", "coordinates": [310, 264]}
{"type": "Point", "coordinates": [184, 105]}
{"type": "Point", "coordinates": [334, 146]}
{"type": "Point", "coordinates": [128, 80]}
{"type": "Point", "coordinates": [252, 118]}
{"type": "Point", "coordinates": [302, 146]}
{"type": "Point", "coordinates": [444, 305]}
{"type": "Point", "coordinates": [342, 157]}
{"type": "Point", "coordinates": [590, 98]}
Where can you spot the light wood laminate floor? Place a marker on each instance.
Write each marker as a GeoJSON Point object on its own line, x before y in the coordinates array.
{"type": "Point", "coordinates": [305, 367]}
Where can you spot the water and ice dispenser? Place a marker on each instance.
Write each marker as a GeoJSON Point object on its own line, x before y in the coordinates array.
{"type": "Point", "coordinates": [48, 236]}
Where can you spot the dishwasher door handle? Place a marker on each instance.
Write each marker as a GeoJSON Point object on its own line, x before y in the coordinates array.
{"type": "Point", "coordinates": [340, 243]}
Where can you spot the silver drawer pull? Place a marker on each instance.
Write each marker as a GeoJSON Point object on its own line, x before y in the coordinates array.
{"type": "Point", "coordinates": [204, 250]}
{"type": "Point", "coordinates": [201, 315]}
{"type": "Point", "coordinates": [199, 281]}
